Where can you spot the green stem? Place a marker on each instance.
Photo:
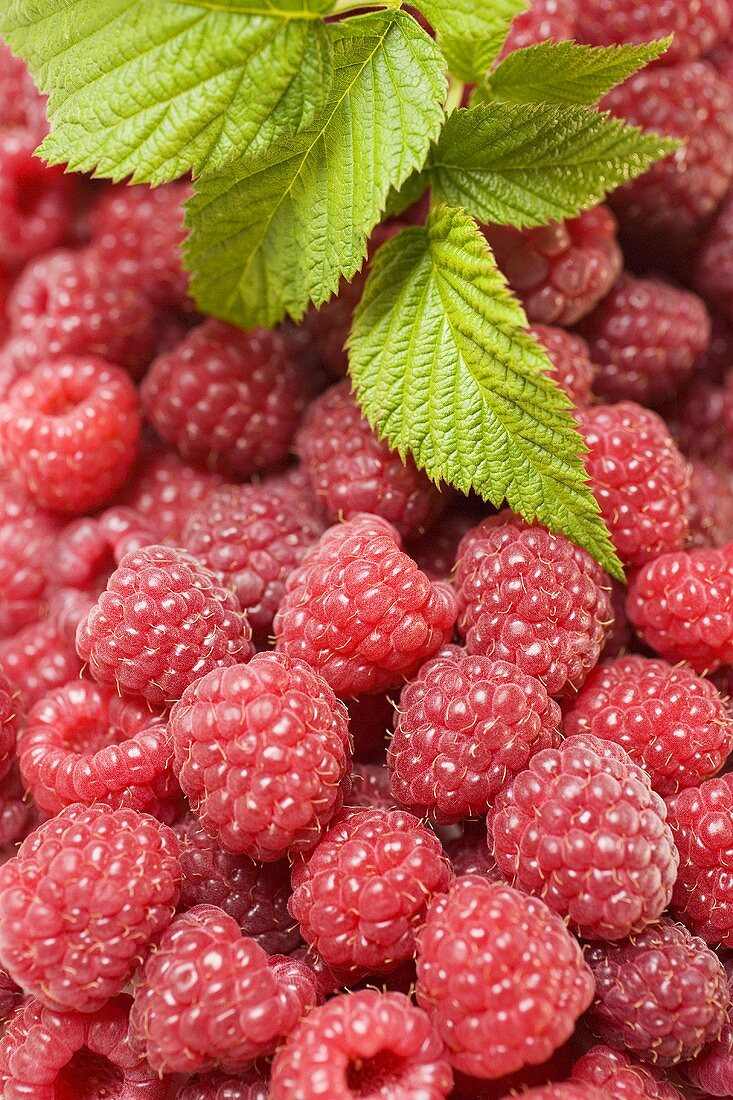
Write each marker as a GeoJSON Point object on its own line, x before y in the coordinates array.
{"type": "Point", "coordinates": [454, 98]}
{"type": "Point", "coordinates": [341, 7]}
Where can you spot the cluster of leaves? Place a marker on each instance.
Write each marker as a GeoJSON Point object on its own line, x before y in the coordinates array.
{"type": "Point", "coordinates": [304, 123]}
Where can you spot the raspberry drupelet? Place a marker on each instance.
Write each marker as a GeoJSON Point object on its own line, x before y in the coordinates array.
{"type": "Point", "coordinates": [696, 27]}
{"type": "Point", "coordinates": [211, 998]}
{"type": "Point", "coordinates": [83, 900]}
{"type": "Point", "coordinates": [617, 1074]}
{"type": "Point", "coordinates": [582, 828]}
{"type": "Point", "coordinates": [500, 976]}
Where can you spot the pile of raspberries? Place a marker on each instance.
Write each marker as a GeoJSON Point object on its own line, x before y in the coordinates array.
{"type": "Point", "coordinates": [319, 781]}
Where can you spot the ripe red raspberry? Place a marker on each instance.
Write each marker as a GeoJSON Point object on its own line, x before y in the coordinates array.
{"type": "Point", "coordinates": [88, 549]}
{"type": "Point", "coordinates": [464, 727]}
{"type": "Point", "coordinates": [138, 231]}
{"type": "Point", "coordinates": [69, 306]}
{"type": "Point", "coordinates": [37, 203]}
{"type": "Point", "coordinates": [18, 814]}
{"type": "Point", "coordinates": [533, 599]}
{"type": "Point", "coordinates": [65, 610]}
{"type": "Point", "coordinates": [569, 354]}
{"type": "Point", "coordinates": [352, 471]}
{"type": "Point", "coordinates": [676, 195]}
{"type": "Point", "coordinates": [162, 622]}
{"type": "Point", "coordinates": [82, 901]}
{"type": "Point", "coordinates": [713, 270]}
{"type": "Point", "coordinates": [672, 722]}
{"type": "Point", "coordinates": [710, 512]}
{"type": "Point", "coordinates": [702, 822]}
{"type": "Point", "coordinates": [697, 420]}
{"type": "Point", "coordinates": [582, 828]}
{"type": "Point", "coordinates": [27, 540]}
{"type": "Point", "coordinates": [48, 1055]}
{"type": "Point", "coordinates": [253, 536]}
{"type": "Point", "coordinates": [712, 1070]}
{"type": "Point", "coordinates": [164, 490]}
{"type": "Point", "coordinates": [362, 893]}
{"type": "Point", "coordinates": [639, 478]}
{"type": "Point", "coordinates": [544, 19]}
{"type": "Point", "coordinates": [560, 271]}
{"type": "Point", "coordinates": [662, 994]}
{"type": "Point", "coordinates": [367, 1044]}
{"type": "Point", "coordinates": [37, 659]}
{"type": "Point", "coordinates": [696, 27]}
{"type": "Point", "coordinates": [500, 976]}
{"type": "Point", "coordinates": [262, 751]}
{"type": "Point", "coordinates": [682, 606]}
{"type": "Point", "coordinates": [210, 998]}
{"type": "Point", "coordinates": [251, 1085]}
{"type": "Point", "coordinates": [469, 854]}
{"type": "Point", "coordinates": [85, 743]}
{"type": "Point", "coordinates": [645, 337]}
{"type": "Point", "coordinates": [69, 432]}
{"type": "Point", "coordinates": [254, 894]}
{"type": "Point", "coordinates": [360, 611]}
{"type": "Point", "coordinates": [21, 104]}
{"type": "Point", "coordinates": [227, 399]}
{"type": "Point", "coordinates": [616, 1075]}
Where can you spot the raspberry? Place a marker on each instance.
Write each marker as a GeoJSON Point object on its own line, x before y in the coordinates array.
{"type": "Point", "coordinates": [696, 27]}
{"type": "Point", "coordinates": [697, 420]}
{"type": "Point", "coordinates": [36, 202]}
{"type": "Point", "coordinates": [682, 606]}
{"type": "Point", "coordinates": [713, 270]}
{"type": "Point", "coordinates": [567, 1091]}
{"type": "Point", "coordinates": [251, 1085]}
{"type": "Point", "coordinates": [227, 399]}
{"type": "Point", "coordinates": [85, 743]}
{"type": "Point", "coordinates": [9, 722]}
{"type": "Point", "coordinates": [569, 354]}
{"type": "Point", "coordinates": [164, 490]}
{"type": "Point", "coordinates": [48, 1055]}
{"type": "Point", "coordinates": [500, 976]}
{"type": "Point", "coordinates": [329, 326]}
{"type": "Point", "coordinates": [18, 815]}
{"type": "Point", "coordinates": [469, 855]}
{"type": "Point", "coordinates": [710, 512]}
{"type": "Point", "coordinates": [464, 727]}
{"type": "Point", "coordinates": [544, 19]}
{"type": "Point", "coordinates": [582, 828]}
{"type": "Point", "coordinates": [69, 432]}
{"type": "Point", "coordinates": [533, 599]}
{"type": "Point", "coordinates": [712, 1070]}
{"type": "Point", "coordinates": [639, 479]}
{"type": "Point", "coordinates": [210, 998]}
{"type": "Point", "coordinates": [676, 195]}
{"type": "Point", "coordinates": [615, 1074]}
{"type": "Point", "coordinates": [10, 995]}
{"type": "Point", "coordinates": [21, 104]}
{"type": "Point", "coordinates": [352, 471]}
{"type": "Point", "coordinates": [71, 307]}
{"type": "Point", "coordinates": [360, 611]}
{"type": "Point", "coordinates": [162, 622]}
{"type": "Point", "coordinates": [35, 660]}
{"type": "Point", "coordinates": [253, 536]}
{"type": "Point", "coordinates": [83, 900]}
{"type": "Point", "coordinates": [368, 1044]}
{"type": "Point", "coordinates": [27, 538]}
{"type": "Point", "coordinates": [262, 751]}
{"type": "Point", "coordinates": [138, 231]}
{"type": "Point", "coordinates": [89, 549]}
{"type": "Point", "coordinates": [560, 271]}
{"type": "Point", "coordinates": [662, 994]}
{"type": "Point", "coordinates": [370, 788]}
{"type": "Point", "coordinates": [66, 609]}
{"type": "Point", "coordinates": [362, 893]}
{"type": "Point", "coordinates": [645, 337]}
{"type": "Point", "coordinates": [254, 894]}
{"type": "Point", "coordinates": [702, 822]}
{"type": "Point", "coordinates": [619, 637]}
{"type": "Point", "coordinates": [718, 356]}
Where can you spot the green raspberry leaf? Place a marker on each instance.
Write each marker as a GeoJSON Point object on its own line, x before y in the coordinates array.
{"type": "Point", "coordinates": [471, 34]}
{"type": "Point", "coordinates": [564, 72]}
{"type": "Point", "coordinates": [307, 9]}
{"type": "Point", "coordinates": [151, 89]}
{"type": "Point", "coordinates": [529, 164]}
{"type": "Point", "coordinates": [445, 370]}
{"type": "Point", "coordinates": [277, 229]}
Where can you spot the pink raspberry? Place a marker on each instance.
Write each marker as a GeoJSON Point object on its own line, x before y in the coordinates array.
{"type": "Point", "coordinates": [9, 723]}
{"type": "Point", "coordinates": [582, 828]}
{"type": "Point", "coordinates": [352, 471]}
{"type": "Point", "coordinates": [469, 855]}
{"type": "Point", "coordinates": [37, 659]}
{"type": "Point", "coordinates": [702, 823]}
{"type": "Point", "coordinates": [672, 722]}
{"type": "Point", "coordinates": [713, 270]}
{"type": "Point", "coordinates": [569, 354]}
{"type": "Point", "coordinates": [696, 27]}
{"type": "Point", "coordinates": [165, 490]}
{"type": "Point", "coordinates": [545, 19]}
{"type": "Point", "coordinates": [676, 195]}
{"type": "Point", "coordinates": [253, 536]}
{"type": "Point", "coordinates": [46, 1055]}
{"type": "Point", "coordinates": [263, 753]}
{"type": "Point", "coordinates": [18, 814]}
{"type": "Point", "coordinates": [85, 743]}
{"type": "Point", "coordinates": [710, 512]}
{"type": "Point", "coordinates": [533, 599]}
{"type": "Point", "coordinates": [500, 976]}
{"type": "Point", "coordinates": [560, 271]}
{"type": "Point", "coordinates": [83, 900]}
{"type": "Point", "coordinates": [463, 728]}
{"type": "Point", "coordinates": [27, 540]}
{"type": "Point", "coordinates": [21, 104]}
{"type": "Point", "coordinates": [210, 998]}
{"type": "Point", "coordinates": [255, 894]}
{"type": "Point", "coordinates": [227, 399]}
{"type": "Point", "coordinates": [69, 432]}
{"type": "Point", "coordinates": [138, 231]}
{"type": "Point", "coordinates": [66, 608]}
{"type": "Point", "coordinates": [88, 549]}
{"type": "Point", "coordinates": [68, 305]}
{"type": "Point", "coordinates": [639, 478]}
{"type": "Point", "coordinates": [363, 1045]}
{"type": "Point", "coordinates": [362, 893]}
{"type": "Point", "coordinates": [712, 1070]}
{"type": "Point", "coordinates": [682, 606]}
{"type": "Point", "coordinates": [36, 202]}
{"type": "Point", "coordinates": [360, 611]}
{"type": "Point", "coordinates": [251, 1085]}
{"type": "Point", "coordinates": [662, 994]}
{"type": "Point", "coordinates": [615, 1074]}
{"type": "Point", "coordinates": [645, 337]}
{"type": "Point", "coordinates": [162, 622]}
